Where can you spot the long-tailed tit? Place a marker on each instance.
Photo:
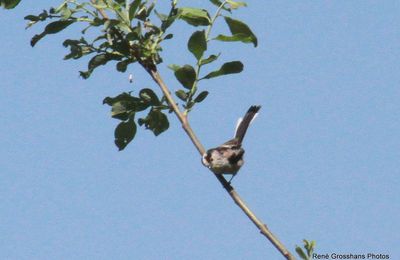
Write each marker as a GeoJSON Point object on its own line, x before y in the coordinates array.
{"type": "Point", "coordinates": [228, 157]}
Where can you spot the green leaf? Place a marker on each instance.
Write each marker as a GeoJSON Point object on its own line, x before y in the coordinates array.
{"type": "Point", "coordinates": [123, 105]}
{"type": "Point", "coordinates": [122, 65]}
{"type": "Point", "coordinates": [301, 253]}
{"type": "Point", "coordinates": [9, 4]}
{"type": "Point", "coordinates": [155, 121]}
{"type": "Point", "coordinates": [51, 28]}
{"type": "Point", "coordinates": [124, 133]}
{"type": "Point", "coordinates": [201, 97]}
{"type": "Point", "coordinates": [218, 4]}
{"type": "Point", "coordinates": [36, 38]}
{"type": "Point", "coordinates": [119, 110]}
{"type": "Point", "coordinates": [57, 26]}
{"type": "Point", "coordinates": [98, 60]}
{"type": "Point", "coordinates": [194, 16]}
{"type": "Point", "coordinates": [197, 44]}
{"type": "Point", "coordinates": [210, 59]}
{"type": "Point", "coordinates": [168, 36]}
{"type": "Point", "coordinates": [306, 244]}
{"type": "Point", "coordinates": [236, 5]}
{"type": "Point", "coordinates": [240, 37]}
{"type": "Point", "coordinates": [189, 105]}
{"type": "Point", "coordinates": [186, 75]}
{"type": "Point", "coordinates": [133, 8]}
{"type": "Point", "coordinates": [101, 59]}
{"type": "Point", "coordinates": [148, 96]}
{"type": "Point", "coordinates": [32, 18]}
{"type": "Point", "coordinates": [309, 246]}
{"type": "Point", "coordinates": [78, 48]}
{"type": "Point", "coordinates": [181, 94]}
{"type": "Point", "coordinates": [228, 68]}
{"type": "Point", "coordinates": [173, 67]}
{"type": "Point", "coordinates": [240, 32]}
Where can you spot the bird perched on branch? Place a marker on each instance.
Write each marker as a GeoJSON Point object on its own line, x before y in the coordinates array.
{"type": "Point", "coordinates": [228, 157]}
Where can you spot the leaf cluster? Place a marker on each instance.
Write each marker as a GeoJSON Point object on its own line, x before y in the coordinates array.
{"type": "Point", "coordinates": [309, 247]}
{"type": "Point", "coordinates": [128, 32]}
{"type": "Point", "coordinates": [189, 76]}
{"type": "Point", "coordinates": [125, 106]}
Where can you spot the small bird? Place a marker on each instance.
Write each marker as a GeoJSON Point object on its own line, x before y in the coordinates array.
{"type": "Point", "coordinates": [228, 157]}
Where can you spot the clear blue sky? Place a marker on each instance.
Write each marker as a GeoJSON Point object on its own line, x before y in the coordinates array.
{"type": "Point", "coordinates": [322, 159]}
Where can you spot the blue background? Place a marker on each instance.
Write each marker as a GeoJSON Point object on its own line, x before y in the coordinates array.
{"type": "Point", "coordinates": [322, 158]}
